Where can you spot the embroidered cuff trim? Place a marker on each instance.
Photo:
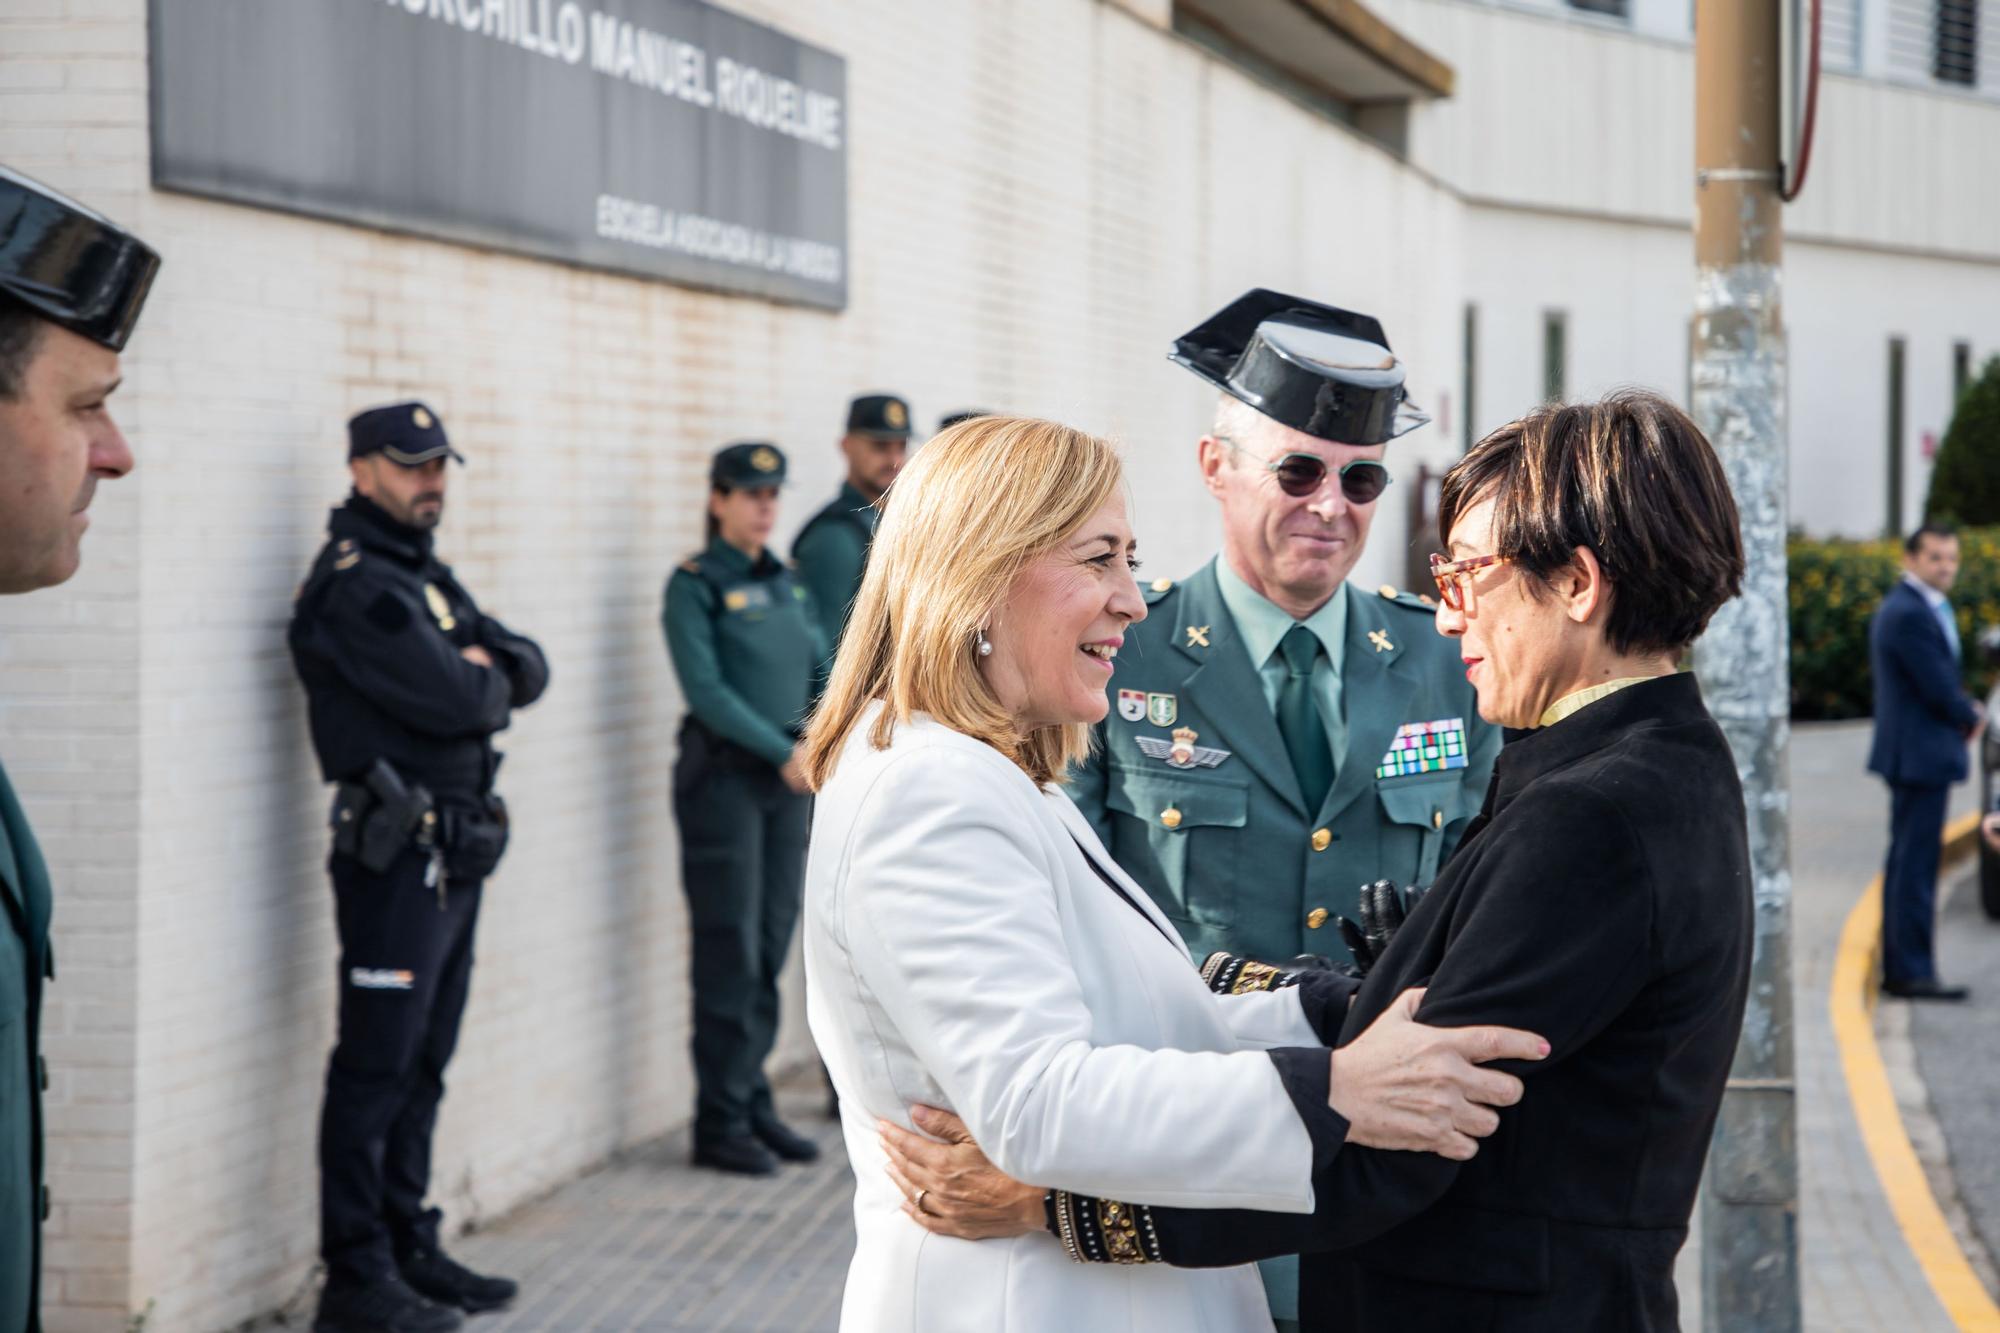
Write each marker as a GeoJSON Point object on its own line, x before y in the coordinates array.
{"type": "Point", "coordinates": [1105, 1231]}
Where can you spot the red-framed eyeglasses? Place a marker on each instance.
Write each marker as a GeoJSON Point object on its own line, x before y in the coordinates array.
{"type": "Point", "coordinates": [1454, 576]}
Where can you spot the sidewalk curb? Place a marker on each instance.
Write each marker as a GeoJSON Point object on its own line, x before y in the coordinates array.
{"type": "Point", "coordinates": [1851, 1003]}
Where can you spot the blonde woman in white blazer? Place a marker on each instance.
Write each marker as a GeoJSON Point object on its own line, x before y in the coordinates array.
{"type": "Point", "coordinates": [970, 945]}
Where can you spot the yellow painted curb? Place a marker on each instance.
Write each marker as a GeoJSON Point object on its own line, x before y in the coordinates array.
{"type": "Point", "coordinates": [1916, 1210]}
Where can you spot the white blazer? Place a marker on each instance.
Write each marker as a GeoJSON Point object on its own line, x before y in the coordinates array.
{"type": "Point", "coordinates": [960, 951]}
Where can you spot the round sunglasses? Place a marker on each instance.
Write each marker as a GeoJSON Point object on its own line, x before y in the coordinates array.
{"type": "Point", "coordinates": [1299, 475]}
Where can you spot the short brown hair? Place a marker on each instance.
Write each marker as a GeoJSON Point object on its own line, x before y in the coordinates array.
{"type": "Point", "coordinates": [973, 509]}
{"type": "Point", "coordinates": [1633, 479]}
{"type": "Point", "coordinates": [20, 339]}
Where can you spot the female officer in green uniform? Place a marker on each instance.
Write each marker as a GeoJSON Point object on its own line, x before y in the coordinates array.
{"type": "Point", "coordinates": [744, 641]}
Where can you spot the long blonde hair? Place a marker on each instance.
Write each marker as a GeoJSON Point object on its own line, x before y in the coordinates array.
{"type": "Point", "coordinates": [977, 505]}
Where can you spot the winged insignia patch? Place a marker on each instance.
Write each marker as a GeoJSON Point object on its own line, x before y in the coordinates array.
{"type": "Point", "coordinates": [1181, 751]}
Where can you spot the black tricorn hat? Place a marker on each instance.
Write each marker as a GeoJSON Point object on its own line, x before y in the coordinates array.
{"type": "Point", "coordinates": [75, 268]}
{"type": "Point", "coordinates": [1316, 368]}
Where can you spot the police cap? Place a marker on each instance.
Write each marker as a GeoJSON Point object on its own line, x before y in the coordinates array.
{"type": "Point", "coordinates": [951, 419]}
{"type": "Point", "coordinates": [878, 414]}
{"type": "Point", "coordinates": [407, 433]}
{"type": "Point", "coordinates": [73, 267]}
{"type": "Point", "coordinates": [1313, 367]}
{"type": "Point", "coordinates": [748, 465]}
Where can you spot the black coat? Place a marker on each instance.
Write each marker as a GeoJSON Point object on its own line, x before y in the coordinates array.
{"type": "Point", "coordinates": [377, 637]}
{"type": "Point", "coordinates": [1603, 900]}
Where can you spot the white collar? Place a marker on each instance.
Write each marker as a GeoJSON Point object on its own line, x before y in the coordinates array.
{"type": "Point", "coordinates": [1931, 595]}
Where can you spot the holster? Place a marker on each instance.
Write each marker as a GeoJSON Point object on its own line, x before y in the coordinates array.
{"type": "Point", "coordinates": [475, 838]}
{"type": "Point", "coordinates": [704, 752]}
{"type": "Point", "coordinates": [376, 818]}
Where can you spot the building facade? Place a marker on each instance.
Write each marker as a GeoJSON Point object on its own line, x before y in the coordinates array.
{"type": "Point", "coordinates": [1040, 195]}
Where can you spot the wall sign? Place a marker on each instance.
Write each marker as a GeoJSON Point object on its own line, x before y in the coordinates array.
{"type": "Point", "coordinates": [666, 138]}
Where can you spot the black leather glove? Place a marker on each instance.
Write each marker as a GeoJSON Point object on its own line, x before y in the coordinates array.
{"type": "Point", "coordinates": [1383, 908]}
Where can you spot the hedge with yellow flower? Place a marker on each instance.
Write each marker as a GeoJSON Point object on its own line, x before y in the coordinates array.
{"type": "Point", "coordinates": [1836, 586]}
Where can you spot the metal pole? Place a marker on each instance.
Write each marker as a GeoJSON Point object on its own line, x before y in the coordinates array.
{"type": "Point", "coordinates": [1750, 1274]}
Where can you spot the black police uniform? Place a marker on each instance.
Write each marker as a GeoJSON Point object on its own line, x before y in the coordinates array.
{"type": "Point", "coordinates": [744, 639]}
{"type": "Point", "coordinates": [404, 723]}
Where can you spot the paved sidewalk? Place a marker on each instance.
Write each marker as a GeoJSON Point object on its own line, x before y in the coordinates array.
{"type": "Point", "coordinates": [649, 1244]}
{"type": "Point", "coordinates": [1859, 1275]}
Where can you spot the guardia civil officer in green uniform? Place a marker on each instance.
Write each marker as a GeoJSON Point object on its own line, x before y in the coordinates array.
{"type": "Point", "coordinates": [71, 288]}
{"type": "Point", "coordinates": [1277, 736]}
{"type": "Point", "coordinates": [832, 548]}
{"type": "Point", "coordinates": [745, 642]}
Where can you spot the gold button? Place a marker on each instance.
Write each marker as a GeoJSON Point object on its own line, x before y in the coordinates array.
{"type": "Point", "coordinates": [1170, 817]}
{"type": "Point", "coordinates": [1315, 918]}
{"type": "Point", "coordinates": [1388, 590]}
{"type": "Point", "coordinates": [1162, 585]}
{"type": "Point", "coordinates": [1322, 839]}
{"type": "Point", "coordinates": [1437, 819]}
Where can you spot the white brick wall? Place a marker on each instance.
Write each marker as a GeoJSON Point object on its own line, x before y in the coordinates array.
{"type": "Point", "coordinates": [1040, 199]}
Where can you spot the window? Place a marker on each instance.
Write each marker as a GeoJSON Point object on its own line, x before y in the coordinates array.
{"type": "Point", "coordinates": [1840, 34]}
{"type": "Point", "coordinates": [1615, 8]}
{"type": "Point", "coordinates": [1469, 397]}
{"type": "Point", "coordinates": [1961, 370]}
{"type": "Point", "coordinates": [1894, 526]}
{"type": "Point", "coordinates": [1955, 43]}
{"type": "Point", "coordinates": [1555, 352]}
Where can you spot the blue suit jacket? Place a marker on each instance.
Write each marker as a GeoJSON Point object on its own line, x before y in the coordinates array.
{"type": "Point", "coordinates": [1922, 712]}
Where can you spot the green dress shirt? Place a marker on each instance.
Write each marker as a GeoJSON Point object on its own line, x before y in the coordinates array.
{"type": "Point", "coordinates": [1263, 626]}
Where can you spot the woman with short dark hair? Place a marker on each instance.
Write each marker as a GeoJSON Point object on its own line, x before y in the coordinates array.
{"type": "Point", "coordinates": [1602, 899]}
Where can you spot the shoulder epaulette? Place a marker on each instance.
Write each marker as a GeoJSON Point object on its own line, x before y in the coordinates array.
{"type": "Point", "coordinates": [691, 565]}
{"type": "Point", "coordinates": [347, 554]}
{"type": "Point", "coordinates": [1408, 600]}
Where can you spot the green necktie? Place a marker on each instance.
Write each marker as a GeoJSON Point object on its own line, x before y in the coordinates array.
{"type": "Point", "coordinates": [1299, 719]}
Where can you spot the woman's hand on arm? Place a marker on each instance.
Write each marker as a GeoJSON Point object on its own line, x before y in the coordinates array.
{"type": "Point", "coordinates": [954, 919]}
{"type": "Point", "coordinates": [1400, 1085]}
{"type": "Point", "coordinates": [1404, 1086]}
{"type": "Point", "coordinates": [949, 1187]}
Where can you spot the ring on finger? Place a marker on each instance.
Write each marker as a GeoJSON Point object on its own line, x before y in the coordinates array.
{"type": "Point", "coordinates": [920, 1201]}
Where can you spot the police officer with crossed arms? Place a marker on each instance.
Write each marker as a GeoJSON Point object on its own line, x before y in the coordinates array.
{"type": "Point", "coordinates": [407, 681]}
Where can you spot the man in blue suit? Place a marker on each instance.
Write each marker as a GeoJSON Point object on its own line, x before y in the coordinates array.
{"type": "Point", "coordinates": [1923, 719]}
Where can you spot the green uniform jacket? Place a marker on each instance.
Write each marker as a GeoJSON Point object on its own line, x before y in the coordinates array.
{"type": "Point", "coordinates": [830, 553]}
{"type": "Point", "coordinates": [1230, 852]}
{"type": "Point", "coordinates": [745, 643]}
{"type": "Point", "coordinates": [25, 960]}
